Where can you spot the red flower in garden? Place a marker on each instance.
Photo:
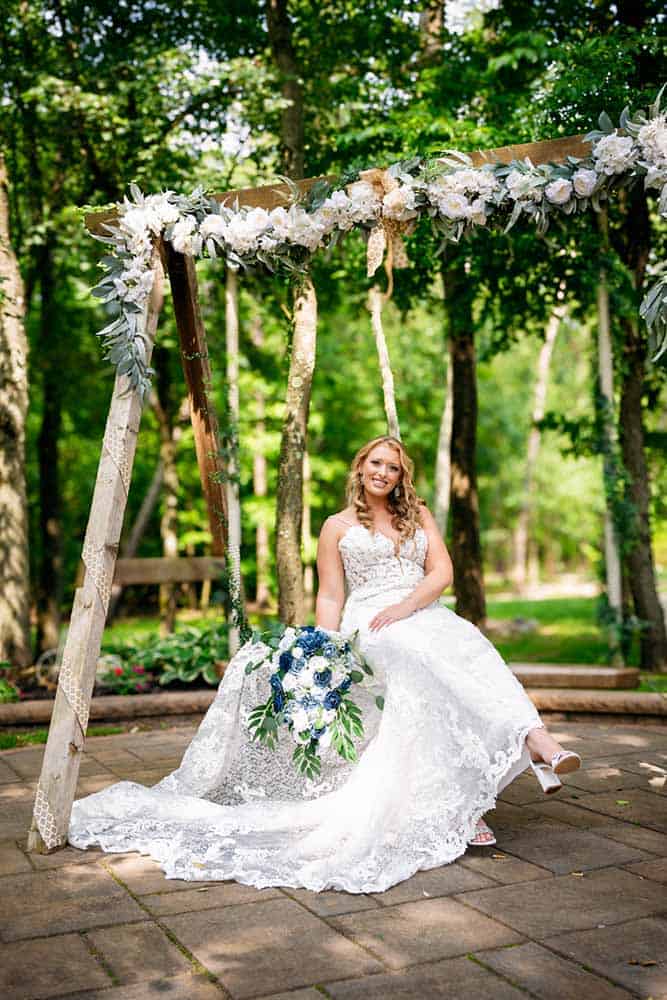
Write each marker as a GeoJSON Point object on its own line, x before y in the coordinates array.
{"type": "Point", "coordinates": [138, 670]}
{"type": "Point", "coordinates": [118, 671]}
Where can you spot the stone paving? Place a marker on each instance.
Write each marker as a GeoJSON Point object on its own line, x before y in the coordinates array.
{"type": "Point", "coordinates": [570, 904]}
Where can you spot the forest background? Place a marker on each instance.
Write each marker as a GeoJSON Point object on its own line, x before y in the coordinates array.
{"type": "Point", "coordinates": [228, 95]}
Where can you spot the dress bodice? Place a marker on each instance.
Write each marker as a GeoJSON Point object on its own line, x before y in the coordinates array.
{"type": "Point", "coordinates": [372, 566]}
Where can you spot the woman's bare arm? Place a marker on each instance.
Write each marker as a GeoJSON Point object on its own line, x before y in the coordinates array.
{"type": "Point", "coordinates": [331, 577]}
{"type": "Point", "coordinates": [438, 568]}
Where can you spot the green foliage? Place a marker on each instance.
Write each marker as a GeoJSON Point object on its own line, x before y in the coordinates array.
{"type": "Point", "coordinates": [8, 691]}
{"type": "Point", "coordinates": [192, 97]}
{"type": "Point", "coordinates": [188, 655]}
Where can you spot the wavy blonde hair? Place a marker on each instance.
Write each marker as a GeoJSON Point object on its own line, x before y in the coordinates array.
{"type": "Point", "coordinates": [404, 508]}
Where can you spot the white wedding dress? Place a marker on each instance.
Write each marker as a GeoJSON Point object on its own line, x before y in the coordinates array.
{"type": "Point", "coordinates": [451, 735]}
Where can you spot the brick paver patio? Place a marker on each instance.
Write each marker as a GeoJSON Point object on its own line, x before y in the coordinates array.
{"type": "Point", "coordinates": [570, 905]}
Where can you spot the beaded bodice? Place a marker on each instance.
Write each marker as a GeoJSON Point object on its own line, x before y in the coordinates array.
{"type": "Point", "coordinates": [372, 565]}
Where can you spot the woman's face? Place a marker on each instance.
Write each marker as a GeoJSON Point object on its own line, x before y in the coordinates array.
{"type": "Point", "coordinates": [381, 470]}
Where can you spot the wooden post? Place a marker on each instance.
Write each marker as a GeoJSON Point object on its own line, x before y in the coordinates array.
{"type": "Point", "coordinates": [69, 721]}
{"type": "Point", "coordinates": [197, 370]}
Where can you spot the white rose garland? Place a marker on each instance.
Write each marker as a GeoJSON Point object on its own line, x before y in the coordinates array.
{"type": "Point", "coordinates": [456, 195]}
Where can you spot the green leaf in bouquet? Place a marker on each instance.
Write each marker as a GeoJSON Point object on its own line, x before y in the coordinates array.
{"type": "Point", "coordinates": [366, 668]}
{"type": "Point", "coordinates": [379, 701]}
{"type": "Point", "coordinates": [342, 741]}
{"type": "Point", "coordinates": [356, 676]}
{"type": "Point", "coordinates": [307, 761]}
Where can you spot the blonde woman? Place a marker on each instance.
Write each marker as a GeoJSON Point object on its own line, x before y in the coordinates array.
{"type": "Point", "coordinates": [470, 726]}
{"type": "Point", "coordinates": [455, 728]}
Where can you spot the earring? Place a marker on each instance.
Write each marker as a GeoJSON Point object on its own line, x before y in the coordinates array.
{"type": "Point", "coordinates": [397, 491]}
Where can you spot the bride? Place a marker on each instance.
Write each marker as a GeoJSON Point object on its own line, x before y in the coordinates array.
{"type": "Point", "coordinates": [455, 729]}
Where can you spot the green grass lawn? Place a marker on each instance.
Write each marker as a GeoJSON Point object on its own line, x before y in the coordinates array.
{"type": "Point", "coordinates": [567, 633]}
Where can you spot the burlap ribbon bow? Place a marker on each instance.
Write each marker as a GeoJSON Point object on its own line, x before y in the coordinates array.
{"type": "Point", "coordinates": [387, 235]}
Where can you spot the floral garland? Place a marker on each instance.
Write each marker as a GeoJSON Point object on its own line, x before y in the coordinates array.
{"type": "Point", "coordinates": [457, 197]}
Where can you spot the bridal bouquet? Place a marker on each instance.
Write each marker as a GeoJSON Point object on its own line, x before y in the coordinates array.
{"type": "Point", "coordinates": [313, 670]}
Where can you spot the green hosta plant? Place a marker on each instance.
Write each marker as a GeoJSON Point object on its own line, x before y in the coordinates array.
{"type": "Point", "coordinates": [186, 656]}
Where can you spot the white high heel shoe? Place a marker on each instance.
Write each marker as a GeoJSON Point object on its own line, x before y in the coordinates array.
{"type": "Point", "coordinates": [562, 762]}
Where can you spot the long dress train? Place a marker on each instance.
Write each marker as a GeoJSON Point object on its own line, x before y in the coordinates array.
{"type": "Point", "coordinates": [431, 763]}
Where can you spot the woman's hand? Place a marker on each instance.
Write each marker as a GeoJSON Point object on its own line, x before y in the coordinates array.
{"type": "Point", "coordinates": [394, 613]}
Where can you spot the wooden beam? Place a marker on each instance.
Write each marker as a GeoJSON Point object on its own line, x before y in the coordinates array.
{"type": "Point", "coordinates": [272, 195]}
{"type": "Point", "coordinates": [165, 570]}
{"type": "Point", "coordinates": [197, 370]}
{"type": "Point", "coordinates": [62, 756]}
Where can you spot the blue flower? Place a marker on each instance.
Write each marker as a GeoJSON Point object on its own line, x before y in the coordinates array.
{"type": "Point", "coordinates": [308, 701]}
{"type": "Point", "coordinates": [311, 639]}
{"type": "Point", "coordinates": [345, 685]}
{"type": "Point", "coordinates": [332, 700]}
{"type": "Point", "coordinates": [286, 660]}
{"type": "Point", "coordinates": [278, 701]}
{"type": "Point", "coordinates": [322, 677]}
{"type": "Point", "coordinates": [316, 733]}
{"type": "Point", "coordinates": [329, 650]}
{"type": "Point", "coordinates": [276, 683]}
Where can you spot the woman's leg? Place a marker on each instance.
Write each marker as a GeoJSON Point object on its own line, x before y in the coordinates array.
{"type": "Point", "coordinates": [542, 747]}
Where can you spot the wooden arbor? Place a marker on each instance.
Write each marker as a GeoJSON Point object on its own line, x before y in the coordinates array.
{"type": "Point", "coordinates": [60, 768]}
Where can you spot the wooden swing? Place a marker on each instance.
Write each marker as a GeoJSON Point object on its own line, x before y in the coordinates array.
{"type": "Point", "coordinates": [69, 720]}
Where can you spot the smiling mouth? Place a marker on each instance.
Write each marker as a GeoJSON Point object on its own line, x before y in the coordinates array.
{"type": "Point", "coordinates": [378, 482]}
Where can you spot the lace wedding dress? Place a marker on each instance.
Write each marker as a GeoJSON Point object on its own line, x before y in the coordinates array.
{"type": "Point", "coordinates": [451, 735]}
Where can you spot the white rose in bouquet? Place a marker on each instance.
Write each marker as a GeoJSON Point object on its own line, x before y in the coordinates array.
{"type": "Point", "coordinates": [287, 639]}
{"type": "Point", "coordinates": [182, 234]}
{"type": "Point", "coordinates": [453, 206]}
{"type": "Point", "coordinates": [303, 228]}
{"type": "Point", "coordinates": [558, 192]}
{"type": "Point", "coordinates": [400, 203]}
{"type": "Point", "coordinates": [212, 225]}
{"type": "Point", "coordinates": [477, 213]}
{"type": "Point", "coordinates": [584, 182]}
{"type": "Point", "coordinates": [364, 203]}
{"type": "Point", "coordinates": [334, 212]}
{"type": "Point", "coordinates": [613, 154]}
{"type": "Point", "coordinates": [524, 184]}
{"type": "Point", "coordinates": [652, 139]}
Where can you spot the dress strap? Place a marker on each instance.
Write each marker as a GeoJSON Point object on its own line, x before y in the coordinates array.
{"type": "Point", "coordinates": [337, 517]}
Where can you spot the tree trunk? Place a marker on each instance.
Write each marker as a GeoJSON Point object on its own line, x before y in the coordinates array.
{"type": "Point", "coordinates": [14, 568]}
{"type": "Point", "coordinates": [50, 585]}
{"type": "Point", "coordinates": [635, 247]}
{"type": "Point", "coordinates": [466, 543]}
{"type": "Point", "coordinates": [291, 117]}
{"type": "Point", "coordinates": [292, 447]}
{"type": "Point", "coordinates": [307, 539]}
{"type": "Point", "coordinates": [232, 483]}
{"type": "Point", "coordinates": [612, 555]}
{"type": "Point", "coordinates": [443, 464]}
{"type": "Point", "coordinates": [161, 403]}
{"type": "Point", "coordinates": [289, 501]}
{"type": "Point", "coordinates": [260, 485]}
{"type": "Point", "coordinates": [375, 302]}
{"type": "Point", "coordinates": [526, 511]}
